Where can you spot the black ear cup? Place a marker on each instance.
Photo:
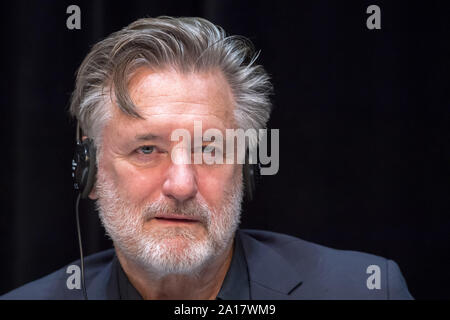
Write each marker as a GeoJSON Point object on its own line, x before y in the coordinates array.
{"type": "Point", "coordinates": [84, 168]}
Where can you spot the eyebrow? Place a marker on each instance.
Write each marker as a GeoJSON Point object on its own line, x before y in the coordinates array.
{"type": "Point", "coordinates": [147, 137]}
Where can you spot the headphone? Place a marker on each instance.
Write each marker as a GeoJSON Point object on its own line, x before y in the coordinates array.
{"type": "Point", "coordinates": [84, 168]}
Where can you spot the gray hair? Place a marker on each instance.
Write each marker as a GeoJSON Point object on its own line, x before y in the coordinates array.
{"type": "Point", "coordinates": [186, 44]}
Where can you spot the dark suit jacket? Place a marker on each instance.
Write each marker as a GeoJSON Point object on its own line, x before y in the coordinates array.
{"type": "Point", "coordinates": [279, 267]}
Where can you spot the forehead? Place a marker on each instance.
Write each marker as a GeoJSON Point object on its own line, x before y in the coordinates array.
{"type": "Point", "coordinates": [169, 95]}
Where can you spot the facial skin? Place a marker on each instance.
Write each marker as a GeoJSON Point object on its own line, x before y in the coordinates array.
{"type": "Point", "coordinates": [140, 190]}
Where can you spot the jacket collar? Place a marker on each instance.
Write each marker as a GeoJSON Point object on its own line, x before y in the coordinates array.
{"type": "Point", "coordinates": [104, 285]}
{"type": "Point", "coordinates": [270, 275]}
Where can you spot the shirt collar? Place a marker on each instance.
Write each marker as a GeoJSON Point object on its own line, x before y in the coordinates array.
{"type": "Point", "coordinates": [234, 287]}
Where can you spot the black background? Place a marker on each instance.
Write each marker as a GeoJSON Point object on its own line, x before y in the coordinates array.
{"type": "Point", "coordinates": [363, 118]}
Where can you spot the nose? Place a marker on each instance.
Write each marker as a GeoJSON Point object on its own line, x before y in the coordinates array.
{"type": "Point", "coordinates": [181, 182]}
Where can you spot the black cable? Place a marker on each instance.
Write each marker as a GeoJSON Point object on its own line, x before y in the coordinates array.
{"type": "Point", "coordinates": [81, 247]}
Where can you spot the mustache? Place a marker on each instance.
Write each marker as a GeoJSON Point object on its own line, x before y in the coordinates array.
{"type": "Point", "coordinates": [192, 208]}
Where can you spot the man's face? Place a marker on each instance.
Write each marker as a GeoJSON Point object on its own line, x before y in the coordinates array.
{"type": "Point", "coordinates": [168, 217]}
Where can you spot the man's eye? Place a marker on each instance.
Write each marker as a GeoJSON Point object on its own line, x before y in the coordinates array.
{"type": "Point", "coordinates": [208, 149]}
{"type": "Point", "coordinates": [146, 149]}
{"type": "Point", "coordinates": [203, 149]}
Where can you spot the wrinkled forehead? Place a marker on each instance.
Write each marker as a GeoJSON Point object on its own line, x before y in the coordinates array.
{"type": "Point", "coordinates": [171, 95]}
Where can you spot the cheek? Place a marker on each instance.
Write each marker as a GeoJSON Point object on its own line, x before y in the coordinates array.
{"type": "Point", "coordinates": [136, 185]}
{"type": "Point", "coordinates": [214, 184]}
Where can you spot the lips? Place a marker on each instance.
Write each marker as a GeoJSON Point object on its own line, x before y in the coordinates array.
{"type": "Point", "coordinates": [175, 218]}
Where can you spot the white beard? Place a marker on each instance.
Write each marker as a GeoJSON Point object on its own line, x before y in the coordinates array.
{"type": "Point", "coordinates": [169, 250]}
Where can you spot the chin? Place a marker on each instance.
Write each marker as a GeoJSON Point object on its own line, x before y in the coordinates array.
{"type": "Point", "coordinates": [175, 255]}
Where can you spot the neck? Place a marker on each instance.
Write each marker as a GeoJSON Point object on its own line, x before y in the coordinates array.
{"type": "Point", "coordinates": [205, 286]}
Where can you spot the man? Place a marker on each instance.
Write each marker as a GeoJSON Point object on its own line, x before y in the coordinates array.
{"type": "Point", "coordinates": [174, 222]}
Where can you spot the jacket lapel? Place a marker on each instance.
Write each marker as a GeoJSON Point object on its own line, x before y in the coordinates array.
{"type": "Point", "coordinates": [270, 275]}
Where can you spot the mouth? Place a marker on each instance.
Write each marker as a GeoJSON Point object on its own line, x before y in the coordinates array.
{"type": "Point", "coordinates": [172, 218]}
